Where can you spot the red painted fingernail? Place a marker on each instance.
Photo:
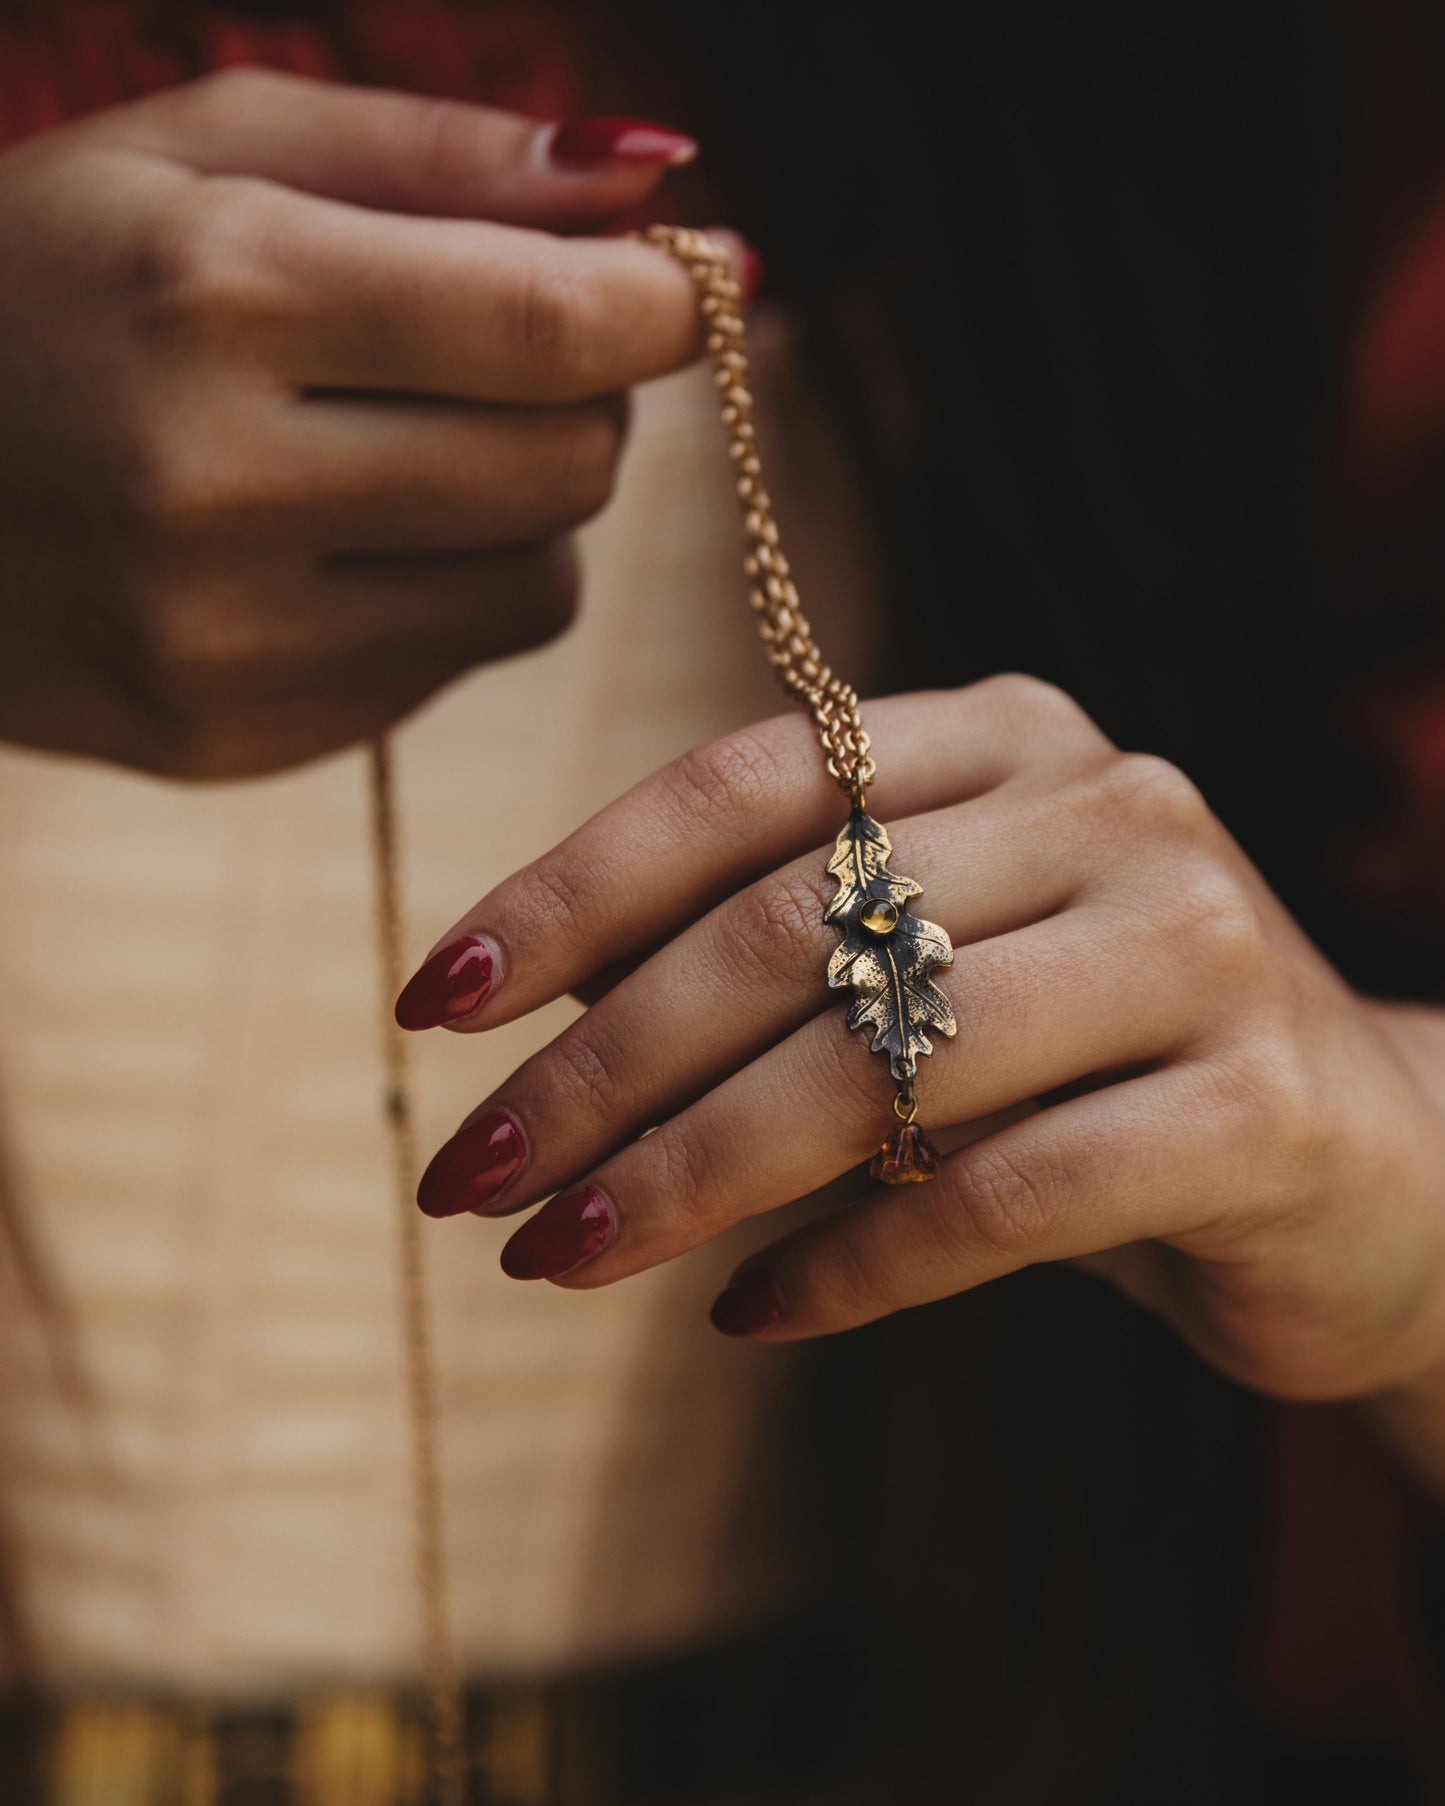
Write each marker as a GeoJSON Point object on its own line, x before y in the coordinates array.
{"type": "Point", "coordinates": [752, 272]}
{"type": "Point", "coordinates": [608, 140]}
{"type": "Point", "coordinates": [563, 1234]}
{"type": "Point", "coordinates": [744, 261]}
{"type": "Point", "coordinates": [751, 1303]}
{"type": "Point", "coordinates": [449, 985]}
{"type": "Point", "coordinates": [474, 1168]}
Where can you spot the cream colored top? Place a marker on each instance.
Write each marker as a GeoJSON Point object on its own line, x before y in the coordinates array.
{"type": "Point", "coordinates": [189, 1074]}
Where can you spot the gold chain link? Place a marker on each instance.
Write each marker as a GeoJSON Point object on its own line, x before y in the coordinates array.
{"type": "Point", "coordinates": [444, 1690]}
{"type": "Point", "coordinates": [791, 649]}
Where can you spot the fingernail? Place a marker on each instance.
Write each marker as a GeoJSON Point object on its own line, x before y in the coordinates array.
{"type": "Point", "coordinates": [474, 1168]}
{"type": "Point", "coordinates": [563, 1234]}
{"type": "Point", "coordinates": [746, 264]}
{"type": "Point", "coordinates": [449, 985]}
{"type": "Point", "coordinates": [751, 1303]}
{"type": "Point", "coordinates": [608, 140]}
{"type": "Point", "coordinates": [751, 271]}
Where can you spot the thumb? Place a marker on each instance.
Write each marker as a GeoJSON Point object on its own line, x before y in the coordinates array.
{"type": "Point", "coordinates": [402, 153]}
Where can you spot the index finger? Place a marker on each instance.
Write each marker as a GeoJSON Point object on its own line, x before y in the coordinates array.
{"type": "Point", "coordinates": [469, 308]}
{"type": "Point", "coordinates": [712, 821]}
{"type": "Point", "coordinates": [410, 153]}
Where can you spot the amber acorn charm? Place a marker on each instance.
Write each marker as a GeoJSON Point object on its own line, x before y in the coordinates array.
{"type": "Point", "coordinates": [908, 1157]}
{"type": "Point", "coordinates": [885, 958]}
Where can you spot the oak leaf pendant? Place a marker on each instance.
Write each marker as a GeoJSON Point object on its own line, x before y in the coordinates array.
{"type": "Point", "coordinates": [886, 954]}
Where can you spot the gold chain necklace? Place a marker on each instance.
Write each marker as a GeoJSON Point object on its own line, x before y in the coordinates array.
{"type": "Point", "coordinates": [886, 953]}
{"type": "Point", "coordinates": [446, 1711]}
{"type": "Point", "coordinates": [885, 957]}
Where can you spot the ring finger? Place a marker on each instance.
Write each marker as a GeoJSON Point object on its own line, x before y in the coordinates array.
{"type": "Point", "coordinates": [270, 631]}
{"type": "Point", "coordinates": [728, 988]}
{"type": "Point", "coordinates": [1149, 1158]}
{"type": "Point", "coordinates": [1039, 1008]}
{"type": "Point", "coordinates": [422, 476]}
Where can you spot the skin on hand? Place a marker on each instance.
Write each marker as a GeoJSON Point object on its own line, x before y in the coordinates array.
{"type": "Point", "coordinates": [300, 394]}
{"type": "Point", "coordinates": [1222, 1128]}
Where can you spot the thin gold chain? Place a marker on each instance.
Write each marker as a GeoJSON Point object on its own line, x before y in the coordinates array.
{"type": "Point", "coordinates": [833, 704]}
{"type": "Point", "coordinates": [787, 636]}
{"type": "Point", "coordinates": [443, 1677]}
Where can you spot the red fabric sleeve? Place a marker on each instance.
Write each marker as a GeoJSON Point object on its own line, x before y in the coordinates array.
{"type": "Point", "coordinates": [62, 58]}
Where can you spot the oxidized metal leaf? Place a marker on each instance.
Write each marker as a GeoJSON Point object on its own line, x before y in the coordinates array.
{"type": "Point", "coordinates": [886, 966]}
{"type": "Point", "coordinates": [860, 864]}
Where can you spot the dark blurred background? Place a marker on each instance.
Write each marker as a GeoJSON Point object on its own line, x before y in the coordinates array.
{"type": "Point", "coordinates": [1129, 313]}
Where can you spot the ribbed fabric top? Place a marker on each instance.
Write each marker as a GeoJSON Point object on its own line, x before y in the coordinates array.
{"type": "Point", "coordinates": [188, 1046]}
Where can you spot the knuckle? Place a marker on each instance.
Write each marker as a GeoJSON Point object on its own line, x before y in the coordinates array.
{"type": "Point", "coordinates": [1276, 1115]}
{"type": "Point", "coordinates": [555, 590]}
{"type": "Point", "coordinates": [544, 593]}
{"type": "Point", "coordinates": [1301, 1114]}
{"type": "Point", "coordinates": [733, 776]}
{"type": "Point", "coordinates": [556, 896]}
{"type": "Point", "coordinates": [1214, 923]}
{"type": "Point", "coordinates": [192, 728]}
{"type": "Point", "coordinates": [439, 137]}
{"type": "Point", "coordinates": [175, 482]}
{"type": "Point", "coordinates": [558, 321]}
{"type": "Point", "coordinates": [773, 928]}
{"type": "Point", "coordinates": [994, 993]}
{"type": "Point", "coordinates": [203, 279]}
{"type": "Point", "coordinates": [180, 657]}
{"type": "Point", "coordinates": [1146, 789]}
{"type": "Point", "coordinates": [1006, 1200]}
{"type": "Point", "coordinates": [172, 742]}
{"type": "Point", "coordinates": [200, 271]}
{"type": "Point", "coordinates": [190, 749]}
{"type": "Point", "coordinates": [682, 1167]}
{"type": "Point", "coordinates": [586, 462]}
{"type": "Point", "coordinates": [855, 1089]}
{"type": "Point", "coordinates": [1018, 694]}
{"type": "Point", "coordinates": [224, 92]}
{"type": "Point", "coordinates": [583, 1071]}
{"type": "Point", "coordinates": [186, 472]}
{"type": "Point", "coordinates": [847, 1283]}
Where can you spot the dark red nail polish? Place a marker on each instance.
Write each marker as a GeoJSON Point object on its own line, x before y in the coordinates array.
{"type": "Point", "coordinates": [474, 1168]}
{"type": "Point", "coordinates": [449, 985]}
{"type": "Point", "coordinates": [608, 140]}
{"type": "Point", "coordinates": [561, 1236]}
{"type": "Point", "coordinates": [750, 275]}
{"type": "Point", "coordinates": [751, 1303]}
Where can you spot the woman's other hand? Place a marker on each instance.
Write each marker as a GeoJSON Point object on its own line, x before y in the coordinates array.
{"type": "Point", "coordinates": [301, 391]}
{"type": "Point", "coordinates": [1196, 1105]}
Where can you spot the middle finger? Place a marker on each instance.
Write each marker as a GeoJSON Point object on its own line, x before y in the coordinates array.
{"type": "Point", "coordinates": [1039, 1008]}
{"type": "Point", "coordinates": [746, 975]}
{"type": "Point", "coordinates": [422, 476]}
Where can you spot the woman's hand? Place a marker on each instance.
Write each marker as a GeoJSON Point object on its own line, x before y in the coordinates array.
{"type": "Point", "coordinates": [1200, 1108]}
{"type": "Point", "coordinates": [288, 436]}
